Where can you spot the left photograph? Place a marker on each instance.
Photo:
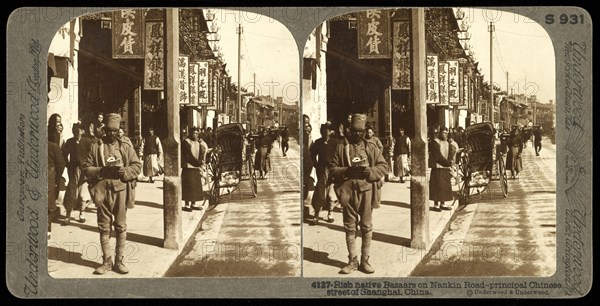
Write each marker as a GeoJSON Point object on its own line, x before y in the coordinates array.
{"type": "Point", "coordinates": [173, 146]}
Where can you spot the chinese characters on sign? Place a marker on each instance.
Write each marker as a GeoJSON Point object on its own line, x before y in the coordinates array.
{"type": "Point", "coordinates": [453, 80]}
{"type": "Point", "coordinates": [401, 57]}
{"type": "Point", "coordinates": [373, 34]}
{"type": "Point", "coordinates": [154, 57]}
{"type": "Point", "coordinates": [465, 91]}
{"type": "Point", "coordinates": [432, 80]}
{"type": "Point", "coordinates": [443, 79]}
{"type": "Point", "coordinates": [127, 34]}
{"type": "Point", "coordinates": [184, 89]}
{"type": "Point", "coordinates": [202, 83]}
{"type": "Point", "coordinates": [194, 83]}
{"type": "Point", "coordinates": [213, 89]}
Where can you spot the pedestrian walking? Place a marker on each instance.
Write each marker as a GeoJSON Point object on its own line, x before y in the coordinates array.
{"type": "Point", "coordinates": [308, 182]}
{"type": "Point", "coordinates": [537, 140]}
{"type": "Point", "coordinates": [191, 176]}
{"type": "Point", "coordinates": [440, 186]}
{"type": "Point", "coordinates": [112, 167]}
{"type": "Point", "coordinates": [74, 152]}
{"type": "Point", "coordinates": [262, 161]}
{"type": "Point", "coordinates": [513, 157]}
{"type": "Point", "coordinates": [56, 166]}
{"type": "Point", "coordinates": [285, 140]}
{"type": "Point", "coordinates": [319, 154]}
{"type": "Point", "coordinates": [402, 149]}
{"type": "Point", "coordinates": [356, 167]}
{"type": "Point", "coordinates": [152, 153]}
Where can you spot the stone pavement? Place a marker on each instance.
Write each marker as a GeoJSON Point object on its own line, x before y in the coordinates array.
{"type": "Point", "coordinates": [74, 250]}
{"type": "Point", "coordinates": [497, 236]}
{"type": "Point", "coordinates": [324, 244]}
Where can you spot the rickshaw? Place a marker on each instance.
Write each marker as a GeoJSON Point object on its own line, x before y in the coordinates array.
{"type": "Point", "coordinates": [480, 162]}
{"type": "Point", "coordinates": [230, 162]}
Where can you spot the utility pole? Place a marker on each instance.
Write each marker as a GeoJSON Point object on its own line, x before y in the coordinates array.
{"type": "Point", "coordinates": [507, 108]}
{"type": "Point", "coordinates": [173, 238]}
{"type": "Point", "coordinates": [254, 104]}
{"type": "Point", "coordinates": [239, 96]}
{"type": "Point", "coordinates": [419, 196]}
{"type": "Point", "coordinates": [491, 30]}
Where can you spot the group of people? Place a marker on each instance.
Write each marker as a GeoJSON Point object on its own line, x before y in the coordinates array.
{"type": "Point", "coordinates": [516, 141]}
{"type": "Point", "coordinates": [103, 168]}
{"type": "Point", "coordinates": [350, 164]}
{"type": "Point", "coordinates": [264, 139]}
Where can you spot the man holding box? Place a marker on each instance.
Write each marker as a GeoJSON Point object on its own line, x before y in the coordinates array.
{"type": "Point", "coordinates": [112, 167]}
{"type": "Point", "coordinates": [356, 167]}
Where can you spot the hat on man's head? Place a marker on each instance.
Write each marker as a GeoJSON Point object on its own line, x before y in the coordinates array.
{"type": "Point", "coordinates": [113, 121]}
{"type": "Point", "coordinates": [358, 122]}
{"type": "Point", "coordinates": [327, 126]}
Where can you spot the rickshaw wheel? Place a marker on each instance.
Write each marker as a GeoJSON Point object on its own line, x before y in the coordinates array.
{"type": "Point", "coordinates": [465, 178]}
{"type": "Point", "coordinates": [502, 177]}
{"type": "Point", "coordinates": [252, 178]}
{"type": "Point", "coordinates": [213, 196]}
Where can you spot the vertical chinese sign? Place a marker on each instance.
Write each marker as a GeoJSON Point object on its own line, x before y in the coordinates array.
{"type": "Point", "coordinates": [373, 34]}
{"type": "Point", "coordinates": [465, 92]}
{"type": "Point", "coordinates": [154, 56]}
{"type": "Point", "coordinates": [443, 80]}
{"type": "Point", "coordinates": [453, 82]}
{"type": "Point", "coordinates": [127, 34]}
{"type": "Point", "coordinates": [401, 56]}
{"type": "Point", "coordinates": [184, 88]}
{"type": "Point", "coordinates": [433, 96]}
{"type": "Point", "coordinates": [202, 83]}
{"type": "Point", "coordinates": [193, 83]}
{"type": "Point", "coordinates": [213, 89]}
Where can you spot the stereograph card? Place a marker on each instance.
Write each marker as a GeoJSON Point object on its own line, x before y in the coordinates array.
{"type": "Point", "coordinates": [304, 152]}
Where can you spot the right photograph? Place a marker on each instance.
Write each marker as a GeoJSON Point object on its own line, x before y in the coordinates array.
{"type": "Point", "coordinates": [429, 145]}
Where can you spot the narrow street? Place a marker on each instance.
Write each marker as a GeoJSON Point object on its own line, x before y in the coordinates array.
{"type": "Point", "coordinates": [246, 236]}
{"type": "Point", "coordinates": [496, 236]}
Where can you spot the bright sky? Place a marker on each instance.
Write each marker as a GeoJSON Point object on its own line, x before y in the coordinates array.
{"type": "Point", "coordinates": [268, 49]}
{"type": "Point", "coordinates": [521, 47]}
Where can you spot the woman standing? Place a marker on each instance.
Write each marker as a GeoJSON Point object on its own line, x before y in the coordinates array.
{"type": "Point", "coordinates": [440, 186]}
{"type": "Point", "coordinates": [191, 177]}
{"type": "Point", "coordinates": [513, 158]}
{"type": "Point", "coordinates": [262, 160]}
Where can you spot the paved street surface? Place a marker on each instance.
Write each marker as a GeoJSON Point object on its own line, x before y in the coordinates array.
{"type": "Point", "coordinates": [74, 251]}
{"type": "Point", "coordinates": [246, 236]}
{"type": "Point", "coordinates": [325, 251]}
{"type": "Point", "coordinates": [495, 236]}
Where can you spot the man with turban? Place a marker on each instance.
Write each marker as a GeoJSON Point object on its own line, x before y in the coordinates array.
{"type": "Point", "coordinates": [356, 168]}
{"type": "Point", "coordinates": [112, 167]}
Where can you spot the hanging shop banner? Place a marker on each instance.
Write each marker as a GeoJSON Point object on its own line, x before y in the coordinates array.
{"type": "Point", "coordinates": [203, 83]}
{"type": "Point", "coordinates": [213, 89]}
{"type": "Point", "coordinates": [433, 96]}
{"type": "Point", "coordinates": [193, 79]}
{"type": "Point", "coordinates": [443, 82]}
{"type": "Point", "coordinates": [184, 83]}
{"type": "Point", "coordinates": [401, 56]}
{"type": "Point", "coordinates": [464, 85]}
{"type": "Point", "coordinates": [127, 34]}
{"type": "Point", "coordinates": [453, 80]}
{"type": "Point", "coordinates": [211, 102]}
{"type": "Point", "coordinates": [154, 56]}
{"type": "Point", "coordinates": [373, 34]}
